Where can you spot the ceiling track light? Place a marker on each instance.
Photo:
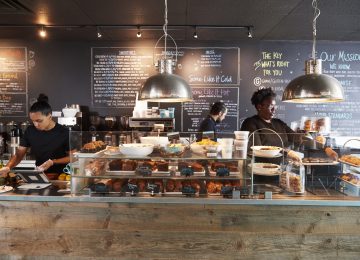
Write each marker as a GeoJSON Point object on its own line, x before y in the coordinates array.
{"type": "Point", "coordinates": [250, 33]}
{"type": "Point", "coordinates": [138, 34]}
{"type": "Point", "coordinates": [195, 35]}
{"type": "Point", "coordinates": [99, 34]}
{"type": "Point", "coordinates": [42, 32]}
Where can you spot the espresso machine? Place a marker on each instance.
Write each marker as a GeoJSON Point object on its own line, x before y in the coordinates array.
{"type": "Point", "coordinates": [148, 123]}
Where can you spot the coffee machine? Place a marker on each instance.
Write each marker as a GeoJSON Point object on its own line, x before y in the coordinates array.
{"type": "Point", "coordinates": [72, 117]}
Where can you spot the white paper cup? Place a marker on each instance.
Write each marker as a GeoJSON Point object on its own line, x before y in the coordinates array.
{"type": "Point", "coordinates": [241, 135]}
{"type": "Point", "coordinates": [226, 152]}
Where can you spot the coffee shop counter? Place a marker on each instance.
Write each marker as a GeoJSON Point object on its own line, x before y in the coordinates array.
{"type": "Point", "coordinates": [83, 227]}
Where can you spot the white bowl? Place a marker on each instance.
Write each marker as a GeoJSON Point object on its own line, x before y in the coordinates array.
{"type": "Point", "coordinates": [139, 150]}
{"type": "Point", "coordinates": [201, 149]}
{"type": "Point", "coordinates": [69, 112]}
{"type": "Point", "coordinates": [266, 151]}
{"type": "Point", "coordinates": [155, 140]}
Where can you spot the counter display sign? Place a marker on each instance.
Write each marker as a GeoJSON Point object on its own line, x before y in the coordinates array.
{"type": "Point", "coordinates": [13, 82]}
{"type": "Point", "coordinates": [194, 112]}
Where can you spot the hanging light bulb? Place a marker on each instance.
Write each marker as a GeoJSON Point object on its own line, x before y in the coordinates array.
{"type": "Point", "coordinates": [195, 34]}
{"type": "Point", "coordinates": [165, 86]}
{"type": "Point", "coordinates": [42, 32]}
{"type": "Point", "coordinates": [99, 34]}
{"type": "Point", "coordinates": [138, 34]}
{"type": "Point", "coordinates": [313, 87]}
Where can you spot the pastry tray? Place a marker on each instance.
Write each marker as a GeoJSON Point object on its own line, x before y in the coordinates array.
{"type": "Point", "coordinates": [89, 155]}
{"type": "Point", "coordinates": [347, 163]}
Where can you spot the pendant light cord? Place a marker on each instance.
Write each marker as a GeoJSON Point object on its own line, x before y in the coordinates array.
{"type": "Point", "coordinates": [316, 15]}
{"type": "Point", "coordinates": [165, 26]}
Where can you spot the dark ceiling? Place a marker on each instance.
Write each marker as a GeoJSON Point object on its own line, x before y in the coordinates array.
{"type": "Point", "coordinates": [272, 19]}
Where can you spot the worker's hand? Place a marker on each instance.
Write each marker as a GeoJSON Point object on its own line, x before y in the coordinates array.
{"type": "Point", "coordinates": [46, 165]}
{"type": "Point", "coordinates": [4, 171]}
{"type": "Point", "coordinates": [294, 156]}
{"type": "Point", "coordinates": [331, 153]}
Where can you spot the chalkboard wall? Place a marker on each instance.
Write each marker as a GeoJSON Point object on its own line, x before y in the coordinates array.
{"type": "Point", "coordinates": [104, 77]}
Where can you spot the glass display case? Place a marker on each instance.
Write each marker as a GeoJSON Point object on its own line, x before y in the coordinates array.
{"type": "Point", "coordinates": [156, 164]}
{"type": "Point", "coordinates": [135, 163]}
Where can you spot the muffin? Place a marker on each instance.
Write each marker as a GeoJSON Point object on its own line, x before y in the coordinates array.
{"type": "Point", "coordinates": [197, 167]}
{"type": "Point", "coordinates": [170, 186]}
{"type": "Point", "coordinates": [162, 166]}
{"type": "Point", "coordinates": [128, 165]}
{"type": "Point", "coordinates": [115, 165]}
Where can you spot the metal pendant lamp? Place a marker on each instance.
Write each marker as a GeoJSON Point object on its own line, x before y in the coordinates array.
{"type": "Point", "coordinates": [313, 87]}
{"type": "Point", "coordinates": [166, 86]}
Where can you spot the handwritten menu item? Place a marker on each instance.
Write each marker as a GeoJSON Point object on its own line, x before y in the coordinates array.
{"type": "Point", "coordinates": [13, 105]}
{"type": "Point", "coordinates": [278, 63]}
{"type": "Point", "coordinates": [209, 66]}
{"type": "Point", "coordinates": [117, 74]}
{"type": "Point", "coordinates": [13, 82]}
{"type": "Point", "coordinates": [194, 112]}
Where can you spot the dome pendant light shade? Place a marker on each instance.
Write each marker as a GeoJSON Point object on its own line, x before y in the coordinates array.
{"type": "Point", "coordinates": [165, 86]}
{"type": "Point", "coordinates": [313, 87]}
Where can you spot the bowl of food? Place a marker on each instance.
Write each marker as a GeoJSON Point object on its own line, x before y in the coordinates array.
{"type": "Point", "coordinates": [172, 150]}
{"type": "Point", "coordinates": [204, 146]}
{"type": "Point", "coordinates": [266, 151]}
{"type": "Point", "coordinates": [138, 150]}
{"type": "Point", "coordinates": [266, 168]}
{"type": "Point", "coordinates": [155, 140]}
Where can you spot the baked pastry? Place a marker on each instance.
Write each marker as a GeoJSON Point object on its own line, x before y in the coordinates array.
{"type": "Point", "coordinates": [197, 167]}
{"type": "Point", "coordinates": [150, 164]}
{"type": "Point", "coordinates": [162, 166]}
{"type": "Point", "coordinates": [195, 184]}
{"type": "Point", "coordinates": [178, 186]}
{"type": "Point", "coordinates": [128, 165]}
{"type": "Point", "coordinates": [115, 165]}
{"type": "Point", "coordinates": [217, 165]}
{"type": "Point", "coordinates": [170, 186]}
{"type": "Point", "coordinates": [211, 187]}
{"type": "Point", "coordinates": [117, 185]}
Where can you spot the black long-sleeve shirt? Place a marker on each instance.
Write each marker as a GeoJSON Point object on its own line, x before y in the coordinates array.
{"type": "Point", "coordinates": [208, 124]}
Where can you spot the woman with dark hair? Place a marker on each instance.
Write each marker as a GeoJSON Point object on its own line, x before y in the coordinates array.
{"type": "Point", "coordinates": [48, 140]}
{"type": "Point", "coordinates": [217, 114]}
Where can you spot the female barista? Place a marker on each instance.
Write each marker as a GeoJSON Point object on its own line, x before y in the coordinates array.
{"type": "Point", "coordinates": [217, 114]}
{"type": "Point", "coordinates": [265, 104]}
{"type": "Point", "coordinates": [49, 141]}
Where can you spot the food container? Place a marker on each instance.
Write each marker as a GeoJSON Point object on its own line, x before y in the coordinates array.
{"type": "Point", "coordinates": [202, 149]}
{"type": "Point", "coordinates": [241, 135]}
{"type": "Point", "coordinates": [350, 189]}
{"type": "Point", "coordinates": [138, 150]}
{"type": "Point", "coordinates": [266, 151]}
{"type": "Point", "coordinates": [266, 169]}
{"type": "Point", "coordinates": [293, 178]}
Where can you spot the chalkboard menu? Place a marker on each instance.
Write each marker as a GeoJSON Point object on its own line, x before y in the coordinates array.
{"type": "Point", "coordinates": [13, 82]}
{"type": "Point", "coordinates": [118, 73]}
{"type": "Point", "coordinates": [194, 112]}
{"type": "Point", "coordinates": [276, 65]}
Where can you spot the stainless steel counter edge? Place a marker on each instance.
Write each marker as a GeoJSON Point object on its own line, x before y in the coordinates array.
{"type": "Point", "coordinates": [196, 201]}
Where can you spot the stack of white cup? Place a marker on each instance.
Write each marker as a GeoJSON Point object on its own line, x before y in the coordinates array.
{"type": "Point", "coordinates": [241, 144]}
{"type": "Point", "coordinates": [227, 147]}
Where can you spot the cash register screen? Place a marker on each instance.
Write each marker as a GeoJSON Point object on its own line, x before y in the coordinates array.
{"type": "Point", "coordinates": [32, 176]}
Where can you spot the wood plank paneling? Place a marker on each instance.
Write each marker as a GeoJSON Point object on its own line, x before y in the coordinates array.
{"type": "Point", "coordinates": [160, 231]}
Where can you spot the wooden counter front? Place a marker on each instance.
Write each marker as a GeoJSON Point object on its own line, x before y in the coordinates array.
{"type": "Point", "coordinates": [85, 230]}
